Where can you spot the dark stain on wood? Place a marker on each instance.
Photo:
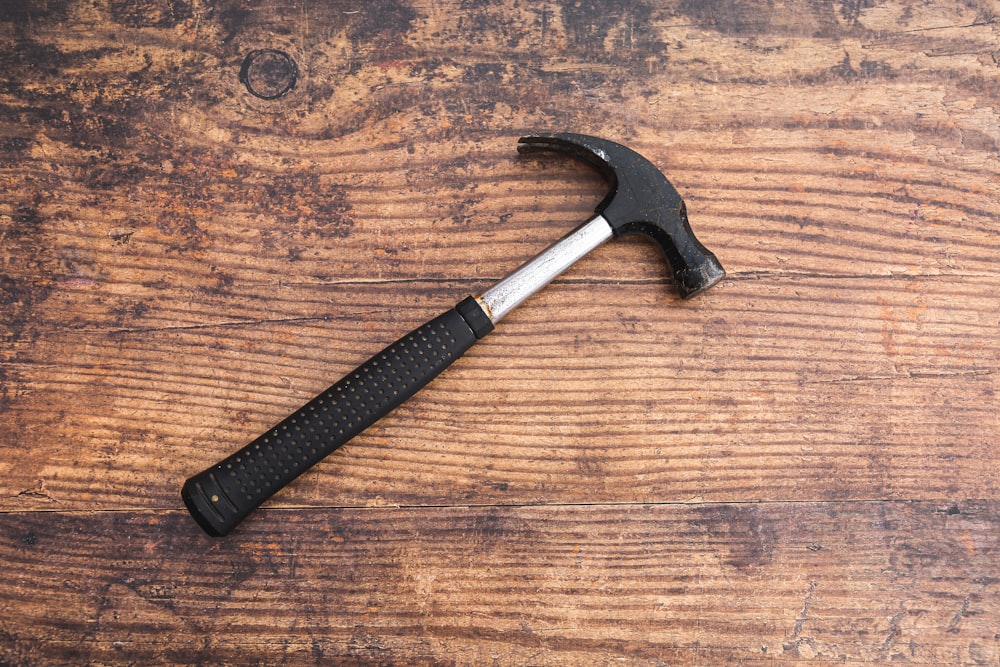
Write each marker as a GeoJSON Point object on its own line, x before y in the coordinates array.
{"type": "Point", "coordinates": [150, 13]}
{"type": "Point", "coordinates": [304, 206]}
{"type": "Point", "coordinates": [21, 14]}
{"type": "Point", "coordinates": [381, 27]}
{"type": "Point", "coordinates": [750, 538]}
{"type": "Point", "coordinates": [25, 285]}
{"type": "Point", "coordinates": [590, 23]}
{"type": "Point", "coordinates": [753, 19]}
{"type": "Point", "coordinates": [851, 9]}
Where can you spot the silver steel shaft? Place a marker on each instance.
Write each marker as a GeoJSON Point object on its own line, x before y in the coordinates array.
{"type": "Point", "coordinates": [513, 290]}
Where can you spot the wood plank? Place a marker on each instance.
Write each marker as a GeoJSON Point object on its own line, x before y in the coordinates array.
{"type": "Point", "coordinates": [707, 583]}
{"type": "Point", "coordinates": [744, 393]}
{"type": "Point", "coordinates": [826, 182]}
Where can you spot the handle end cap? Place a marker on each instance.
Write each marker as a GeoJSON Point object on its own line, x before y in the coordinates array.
{"type": "Point", "coordinates": [205, 505]}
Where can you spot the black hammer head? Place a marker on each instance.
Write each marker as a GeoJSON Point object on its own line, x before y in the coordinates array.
{"type": "Point", "coordinates": [641, 201]}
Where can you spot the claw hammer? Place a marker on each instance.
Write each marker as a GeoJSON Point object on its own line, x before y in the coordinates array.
{"type": "Point", "coordinates": [641, 200]}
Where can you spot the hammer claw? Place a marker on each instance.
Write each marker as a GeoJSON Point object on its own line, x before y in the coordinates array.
{"type": "Point", "coordinates": [641, 201]}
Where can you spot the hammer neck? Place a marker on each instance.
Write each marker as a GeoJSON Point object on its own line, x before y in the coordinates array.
{"type": "Point", "coordinates": [535, 274]}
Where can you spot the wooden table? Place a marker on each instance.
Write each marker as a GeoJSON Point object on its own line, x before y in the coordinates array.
{"type": "Point", "coordinates": [799, 464]}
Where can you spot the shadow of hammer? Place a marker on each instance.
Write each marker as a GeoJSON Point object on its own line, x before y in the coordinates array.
{"type": "Point", "coordinates": [641, 201]}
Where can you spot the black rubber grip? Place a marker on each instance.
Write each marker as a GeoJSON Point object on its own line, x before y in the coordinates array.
{"type": "Point", "coordinates": [222, 496]}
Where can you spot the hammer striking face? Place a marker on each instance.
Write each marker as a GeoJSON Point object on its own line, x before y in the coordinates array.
{"type": "Point", "coordinates": [641, 201]}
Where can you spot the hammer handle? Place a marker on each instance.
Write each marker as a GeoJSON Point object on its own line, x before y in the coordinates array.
{"type": "Point", "coordinates": [224, 494]}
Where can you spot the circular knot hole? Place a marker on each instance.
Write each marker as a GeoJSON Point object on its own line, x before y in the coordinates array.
{"type": "Point", "coordinates": [268, 73]}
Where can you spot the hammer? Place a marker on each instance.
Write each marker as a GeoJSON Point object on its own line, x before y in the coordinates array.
{"type": "Point", "coordinates": [641, 201]}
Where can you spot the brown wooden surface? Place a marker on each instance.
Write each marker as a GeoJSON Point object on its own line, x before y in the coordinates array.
{"type": "Point", "coordinates": [800, 464]}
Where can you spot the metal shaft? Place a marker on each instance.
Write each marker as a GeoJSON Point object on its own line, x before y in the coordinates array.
{"type": "Point", "coordinates": [513, 290]}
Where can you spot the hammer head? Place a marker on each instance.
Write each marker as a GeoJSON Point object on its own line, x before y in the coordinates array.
{"type": "Point", "coordinates": [641, 201]}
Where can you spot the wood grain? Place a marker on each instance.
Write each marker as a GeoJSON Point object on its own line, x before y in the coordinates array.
{"type": "Point", "coordinates": [713, 583]}
{"type": "Point", "coordinates": [630, 400]}
{"type": "Point", "coordinates": [800, 464]}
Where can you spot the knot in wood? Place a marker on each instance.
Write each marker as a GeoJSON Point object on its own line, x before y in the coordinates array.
{"type": "Point", "coordinates": [268, 73]}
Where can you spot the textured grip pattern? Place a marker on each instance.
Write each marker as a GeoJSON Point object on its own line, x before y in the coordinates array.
{"type": "Point", "coordinates": [220, 497]}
